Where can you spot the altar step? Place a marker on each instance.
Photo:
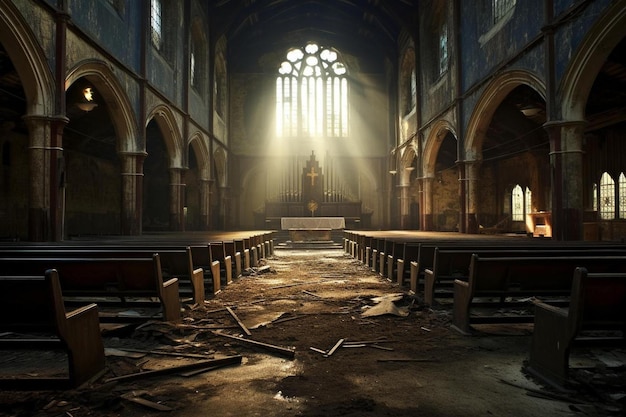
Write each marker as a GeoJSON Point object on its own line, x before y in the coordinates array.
{"type": "Point", "coordinates": [310, 244]}
{"type": "Point", "coordinates": [282, 240]}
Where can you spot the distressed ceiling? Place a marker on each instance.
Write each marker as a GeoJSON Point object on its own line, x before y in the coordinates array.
{"type": "Point", "coordinates": [367, 29]}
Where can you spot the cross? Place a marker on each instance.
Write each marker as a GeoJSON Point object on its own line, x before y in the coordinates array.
{"type": "Point", "coordinates": [312, 174]}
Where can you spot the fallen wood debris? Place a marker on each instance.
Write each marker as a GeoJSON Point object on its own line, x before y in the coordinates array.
{"type": "Point", "coordinates": [146, 403]}
{"type": "Point", "coordinates": [264, 269]}
{"type": "Point", "coordinates": [164, 353]}
{"type": "Point", "coordinates": [334, 348]}
{"type": "Point", "coordinates": [289, 353]}
{"type": "Point", "coordinates": [375, 346]}
{"type": "Point", "coordinates": [229, 360]}
{"type": "Point", "coordinates": [543, 394]}
{"type": "Point", "coordinates": [239, 322]}
{"type": "Point", "coordinates": [311, 294]}
{"type": "Point", "coordinates": [314, 349]}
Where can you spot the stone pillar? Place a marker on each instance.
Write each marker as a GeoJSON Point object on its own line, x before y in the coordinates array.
{"type": "Point", "coordinates": [132, 192]}
{"type": "Point", "coordinates": [405, 206]}
{"type": "Point", "coordinates": [427, 204]}
{"type": "Point", "coordinates": [177, 199]}
{"type": "Point", "coordinates": [205, 204]}
{"type": "Point", "coordinates": [566, 165]}
{"type": "Point", "coordinates": [46, 178]}
{"type": "Point", "coordinates": [471, 184]}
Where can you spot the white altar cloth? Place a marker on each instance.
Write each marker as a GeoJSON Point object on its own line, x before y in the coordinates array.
{"type": "Point", "coordinates": [312, 223]}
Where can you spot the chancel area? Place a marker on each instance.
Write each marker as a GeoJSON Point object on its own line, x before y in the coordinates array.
{"type": "Point", "coordinates": [196, 116]}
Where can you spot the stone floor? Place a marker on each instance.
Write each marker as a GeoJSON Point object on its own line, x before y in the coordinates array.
{"type": "Point", "coordinates": [392, 357]}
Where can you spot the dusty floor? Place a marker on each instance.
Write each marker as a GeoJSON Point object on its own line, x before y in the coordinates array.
{"type": "Point", "coordinates": [408, 363]}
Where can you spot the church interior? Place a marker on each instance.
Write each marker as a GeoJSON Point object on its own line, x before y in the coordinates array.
{"type": "Point", "coordinates": [144, 129]}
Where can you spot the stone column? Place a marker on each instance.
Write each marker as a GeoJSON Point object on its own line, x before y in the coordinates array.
{"type": "Point", "coordinates": [566, 164]}
{"type": "Point", "coordinates": [471, 184]}
{"type": "Point", "coordinates": [177, 193]}
{"type": "Point", "coordinates": [427, 204]}
{"type": "Point", "coordinates": [46, 178]}
{"type": "Point", "coordinates": [205, 204]}
{"type": "Point", "coordinates": [132, 192]}
{"type": "Point", "coordinates": [405, 203]}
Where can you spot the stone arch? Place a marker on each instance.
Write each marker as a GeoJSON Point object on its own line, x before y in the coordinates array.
{"type": "Point", "coordinates": [406, 166]}
{"type": "Point", "coordinates": [433, 142]}
{"type": "Point", "coordinates": [584, 67]}
{"type": "Point", "coordinates": [29, 61]}
{"type": "Point", "coordinates": [198, 146]}
{"type": "Point", "coordinates": [493, 95]}
{"type": "Point", "coordinates": [124, 121]}
{"type": "Point", "coordinates": [166, 121]}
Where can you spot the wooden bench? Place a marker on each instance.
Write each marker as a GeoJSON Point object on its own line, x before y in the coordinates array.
{"type": "Point", "coordinates": [202, 259]}
{"type": "Point", "coordinates": [426, 251]}
{"type": "Point", "coordinates": [33, 307]}
{"type": "Point", "coordinates": [231, 250]}
{"type": "Point", "coordinates": [112, 281]}
{"type": "Point", "coordinates": [453, 263]}
{"type": "Point", "coordinates": [497, 282]}
{"type": "Point", "coordinates": [596, 316]}
{"type": "Point", "coordinates": [175, 263]}
{"type": "Point", "coordinates": [240, 245]}
{"type": "Point", "coordinates": [217, 253]}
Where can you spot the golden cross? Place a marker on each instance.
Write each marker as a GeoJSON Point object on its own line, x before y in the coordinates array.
{"type": "Point", "coordinates": [312, 174]}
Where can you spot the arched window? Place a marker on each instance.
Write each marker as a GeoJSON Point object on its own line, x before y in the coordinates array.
{"type": "Point", "coordinates": [521, 203]}
{"type": "Point", "coordinates": [443, 49]}
{"type": "Point", "coordinates": [607, 197]}
{"type": "Point", "coordinates": [622, 196]}
{"type": "Point", "coordinates": [312, 94]}
{"type": "Point", "coordinates": [198, 59]}
{"type": "Point", "coordinates": [517, 204]}
{"type": "Point", "coordinates": [156, 23]}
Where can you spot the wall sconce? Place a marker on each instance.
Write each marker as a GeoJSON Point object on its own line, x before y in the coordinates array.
{"type": "Point", "coordinates": [393, 171]}
{"type": "Point", "coordinates": [86, 100]}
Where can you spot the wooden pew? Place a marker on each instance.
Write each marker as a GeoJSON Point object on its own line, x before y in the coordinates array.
{"type": "Point", "coordinates": [426, 251]}
{"type": "Point", "coordinates": [231, 250]}
{"type": "Point", "coordinates": [450, 264]}
{"type": "Point", "coordinates": [240, 245]}
{"type": "Point", "coordinates": [410, 251]}
{"type": "Point", "coordinates": [113, 281]}
{"type": "Point", "coordinates": [254, 257]}
{"type": "Point", "coordinates": [33, 306]}
{"type": "Point", "coordinates": [217, 252]}
{"type": "Point", "coordinates": [202, 259]}
{"type": "Point", "coordinates": [385, 250]}
{"type": "Point", "coordinates": [596, 314]}
{"type": "Point", "coordinates": [499, 281]}
{"type": "Point", "coordinates": [175, 263]}
{"type": "Point", "coordinates": [395, 253]}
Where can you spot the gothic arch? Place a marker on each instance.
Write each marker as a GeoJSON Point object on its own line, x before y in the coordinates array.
{"type": "Point", "coordinates": [124, 122]}
{"type": "Point", "coordinates": [409, 154]}
{"type": "Point", "coordinates": [433, 142]}
{"type": "Point", "coordinates": [584, 67]}
{"type": "Point", "coordinates": [197, 145]}
{"type": "Point", "coordinates": [166, 121]}
{"type": "Point", "coordinates": [493, 95]}
{"type": "Point", "coordinates": [29, 61]}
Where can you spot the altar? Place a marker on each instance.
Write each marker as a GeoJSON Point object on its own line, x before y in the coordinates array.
{"type": "Point", "coordinates": [311, 197]}
{"type": "Point", "coordinates": [306, 229]}
{"type": "Point", "coordinates": [287, 223]}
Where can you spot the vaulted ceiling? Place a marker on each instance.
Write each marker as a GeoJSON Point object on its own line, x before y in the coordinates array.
{"type": "Point", "coordinates": [366, 29]}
